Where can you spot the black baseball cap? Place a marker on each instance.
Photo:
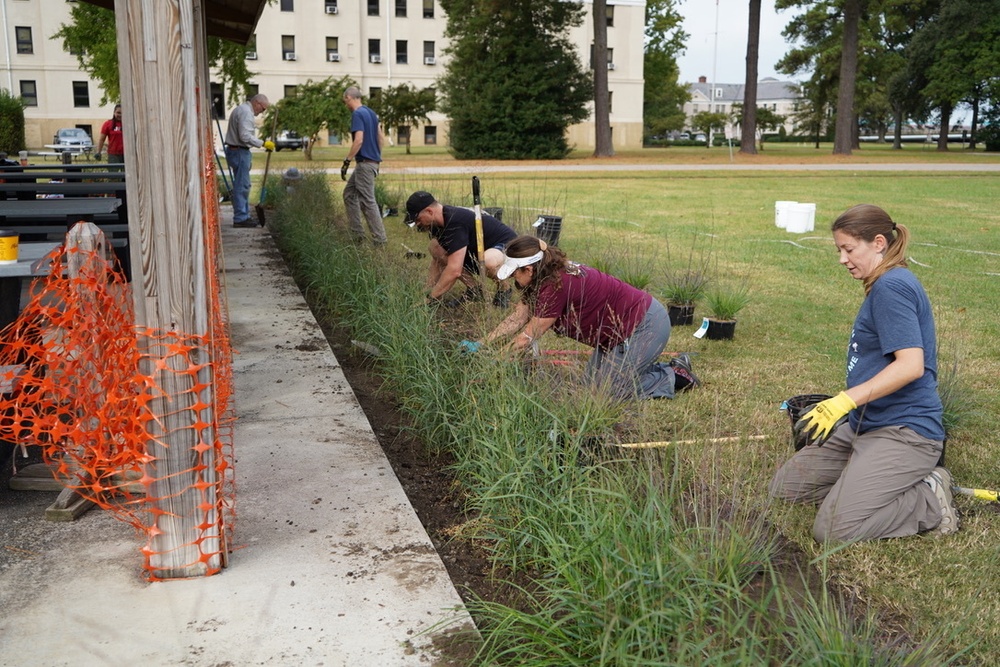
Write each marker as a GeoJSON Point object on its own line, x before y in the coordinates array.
{"type": "Point", "coordinates": [417, 202]}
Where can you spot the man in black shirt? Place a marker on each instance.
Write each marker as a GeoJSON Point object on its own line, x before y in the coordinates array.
{"type": "Point", "coordinates": [453, 248]}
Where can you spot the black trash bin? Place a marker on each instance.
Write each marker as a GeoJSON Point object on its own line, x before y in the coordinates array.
{"type": "Point", "coordinates": [547, 228]}
{"type": "Point", "coordinates": [495, 211]}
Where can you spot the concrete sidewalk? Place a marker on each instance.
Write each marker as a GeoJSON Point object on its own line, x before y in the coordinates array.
{"type": "Point", "coordinates": [334, 567]}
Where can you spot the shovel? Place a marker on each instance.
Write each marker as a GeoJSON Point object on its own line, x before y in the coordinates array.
{"type": "Point", "coordinates": [267, 165]}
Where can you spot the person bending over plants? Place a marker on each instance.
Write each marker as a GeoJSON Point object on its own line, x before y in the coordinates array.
{"type": "Point", "coordinates": [627, 327]}
{"type": "Point", "coordinates": [872, 452]}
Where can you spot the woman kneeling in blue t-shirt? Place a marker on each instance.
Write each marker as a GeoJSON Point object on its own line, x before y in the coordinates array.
{"type": "Point", "coordinates": [871, 463]}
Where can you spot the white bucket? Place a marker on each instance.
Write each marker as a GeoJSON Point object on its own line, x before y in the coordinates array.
{"type": "Point", "coordinates": [801, 218]}
{"type": "Point", "coordinates": [781, 209]}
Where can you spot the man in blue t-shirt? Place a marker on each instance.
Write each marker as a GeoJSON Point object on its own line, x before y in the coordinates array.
{"type": "Point", "coordinates": [453, 248]}
{"type": "Point", "coordinates": [366, 151]}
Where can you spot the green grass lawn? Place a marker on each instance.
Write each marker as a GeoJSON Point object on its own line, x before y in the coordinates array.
{"type": "Point", "coordinates": [791, 338]}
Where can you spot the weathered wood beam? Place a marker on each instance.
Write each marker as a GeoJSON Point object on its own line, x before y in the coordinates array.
{"type": "Point", "coordinates": [164, 92]}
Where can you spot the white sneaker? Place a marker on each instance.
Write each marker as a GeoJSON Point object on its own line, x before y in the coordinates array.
{"type": "Point", "coordinates": [940, 482]}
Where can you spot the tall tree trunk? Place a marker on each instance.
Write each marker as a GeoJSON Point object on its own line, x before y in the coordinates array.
{"type": "Point", "coordinates": [748, 143]}
{"type": "Point", "coordinates": [897, 133]}
{"type": "Point", "coordinates": [946, 109]}
{"type": "Point", "coordinates": [975, 122]}
{"type": "Point", "coordinates": [843, 137]}
{"type": "Point", "coordinates": [599, 58]}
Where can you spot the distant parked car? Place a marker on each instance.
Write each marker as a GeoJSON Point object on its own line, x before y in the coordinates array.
{"type": "Point", "coordinates": [288, 139]}
{"type": "Point", "coordinates": [71, 139]}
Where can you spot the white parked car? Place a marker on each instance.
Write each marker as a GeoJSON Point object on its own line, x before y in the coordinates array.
{"type": "Point", "coordinates": [72, 139]}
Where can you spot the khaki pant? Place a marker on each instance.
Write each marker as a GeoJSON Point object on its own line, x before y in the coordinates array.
{"type": "Point", "coordinates": [867, 487]}
{"type": "Point", "coordinates": [359, 198]}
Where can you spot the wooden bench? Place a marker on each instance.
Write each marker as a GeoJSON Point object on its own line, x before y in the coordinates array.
{"type": "Point", "coordinates": [30, 263]}
{"type": "Point", "coordinates": [28, 193]}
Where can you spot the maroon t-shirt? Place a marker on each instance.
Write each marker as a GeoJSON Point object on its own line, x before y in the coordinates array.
{"type": "Point", "coordinates": [593, 308]}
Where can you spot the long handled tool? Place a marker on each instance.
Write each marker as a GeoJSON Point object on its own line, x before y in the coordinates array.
{"type": "Point", "coordinates": [229, 167]}
{"type": "Point", "coordinates": [267, 165]}
{"type": "Point", "coordinates": [982, 494]}
{"type": "Point", "coordinates": [480, 243]}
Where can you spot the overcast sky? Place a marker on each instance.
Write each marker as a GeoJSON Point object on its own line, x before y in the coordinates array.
{"type": "Point", "coordinates": [730, 57]}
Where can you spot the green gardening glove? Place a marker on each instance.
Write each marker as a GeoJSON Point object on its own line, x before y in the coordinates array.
{"type": "Point", "coordinates": [819, 423]}
{"type": "Point", "coordinates": [343, 169]}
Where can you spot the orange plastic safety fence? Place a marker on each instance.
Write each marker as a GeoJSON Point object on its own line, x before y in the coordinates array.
{"type": "Point", "coordinates": [106, 400]}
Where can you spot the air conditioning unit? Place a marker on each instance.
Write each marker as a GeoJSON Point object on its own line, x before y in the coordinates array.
{"type": "Point", "coordinates": [289, 56]}
{"type": "Point", "coordinates": [251, 55]}
{"type": "Point", "coordinates": [611, 65]}
{"type": "Point", "coordinates": [333, 57]}
{"type": "Point", "coordinates": [429, 60]}
{"type": "Point", "coordinates": [332, 9]}
{"type": "Point", "coordinates": [375, 58]}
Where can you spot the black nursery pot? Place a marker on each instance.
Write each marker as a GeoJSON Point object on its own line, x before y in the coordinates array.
{"type": "Point", "coordinates": [680, 315]}
{"type": "Point", "coordinates": [797, 406]}
{"type": "Point", "coordinates": [721, 329]}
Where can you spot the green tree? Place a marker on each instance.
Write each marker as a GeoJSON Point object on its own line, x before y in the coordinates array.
{"type": "Point", "coordinates": [514, 83]}
{"type": "Point", "coordinates": [708, 121]}
{"type": "Point", "coordinates": [92, 36]}
{"type": "Point", "coordinates": [404, 107]}
{"type": "Point", "coordinates": [11, 122]}
{"type": "Point", "coordinates": [765, 119]}
{"type": "Point", "coordinates": [313, 107]}
{"type": "Point", "coordinates": [663, 95]}
{"type": "Point", "coordinates": [960, 52]}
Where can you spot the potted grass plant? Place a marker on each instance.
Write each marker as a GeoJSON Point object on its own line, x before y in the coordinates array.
{"type": "Point", "coordinates": [724, 304]}
{"type": "Point", "coordinates": [683, 289]}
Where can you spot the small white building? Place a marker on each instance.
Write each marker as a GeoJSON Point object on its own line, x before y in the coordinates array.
{"type": "Point", "coordinates": [781, 97]}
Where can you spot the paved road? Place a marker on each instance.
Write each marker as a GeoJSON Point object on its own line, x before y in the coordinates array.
{"type": "Point", "coordinates": [990, 164]}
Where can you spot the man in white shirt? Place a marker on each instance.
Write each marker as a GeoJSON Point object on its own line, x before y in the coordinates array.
{"type": "Point", "coordinates": [240, 136]}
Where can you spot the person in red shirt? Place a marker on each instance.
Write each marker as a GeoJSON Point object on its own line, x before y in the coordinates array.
{"type": "Point", "coordinates": [626, 326]}
{"type": "Point", "coordinates": [111, 132]}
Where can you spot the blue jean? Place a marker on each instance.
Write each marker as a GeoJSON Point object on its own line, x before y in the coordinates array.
{"type": "Point", "coordinates": [631, 370]}
{"type": "Point", "coordinates": [239, 160]}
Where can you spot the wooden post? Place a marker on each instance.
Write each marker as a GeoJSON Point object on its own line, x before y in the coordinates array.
{"type": "Point", "coordinates": [164, 83]}
{"type": "Point", "coordinates": [85, 238]}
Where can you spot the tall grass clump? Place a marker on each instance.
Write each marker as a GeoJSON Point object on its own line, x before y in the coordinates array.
{"type": "Point", "coordinates": [634, 557]}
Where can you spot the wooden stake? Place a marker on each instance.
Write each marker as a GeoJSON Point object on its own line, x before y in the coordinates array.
{"type": "Point", "coordinates": [694, 441]}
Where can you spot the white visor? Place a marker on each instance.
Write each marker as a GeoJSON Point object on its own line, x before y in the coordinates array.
{"type": "Point", "coordinates": [512, 264]}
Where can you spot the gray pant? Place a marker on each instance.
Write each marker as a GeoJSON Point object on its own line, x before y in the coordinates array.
{"type": "Point", "coordinates": [359, 197]}
{"type": "Point", "coordinates": [631, 369]}
{"type": "Point", "coordinates": [867, 486]}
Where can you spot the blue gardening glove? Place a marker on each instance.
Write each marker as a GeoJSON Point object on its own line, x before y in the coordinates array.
{"type": "Point", "coordinates": [826, 417]}
{"type": "Point", "coordinates": [269, 146]}
{"type": "Point", "coordinates": [469, 347]}
{"type": "Point", "coordinates": [343, 170]}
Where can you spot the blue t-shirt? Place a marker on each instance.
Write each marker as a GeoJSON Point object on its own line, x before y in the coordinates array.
{"type": "Point", "coordinates": [896, 315]}
{"type": "Point", "coordinates": [365, 120]}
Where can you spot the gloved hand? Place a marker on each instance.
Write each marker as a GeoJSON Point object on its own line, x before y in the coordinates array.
{"type": "Point", "coordinates": [469, 347]}
{"type": "Point", "coordinates": [819, 423]}
{"type": "Point", "coordinates": [343, 170]}
{"type": "Point", "coordinates": [269, 145]}
{"type": "Point", "coordinates": [97, 157]}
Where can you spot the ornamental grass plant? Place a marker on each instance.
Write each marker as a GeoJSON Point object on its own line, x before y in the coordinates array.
{"type": "Point", "coordinates": [675, 555]}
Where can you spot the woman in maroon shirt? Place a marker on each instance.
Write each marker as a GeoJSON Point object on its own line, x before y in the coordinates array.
{"type": "Point", "coordinates": [627, 327]}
